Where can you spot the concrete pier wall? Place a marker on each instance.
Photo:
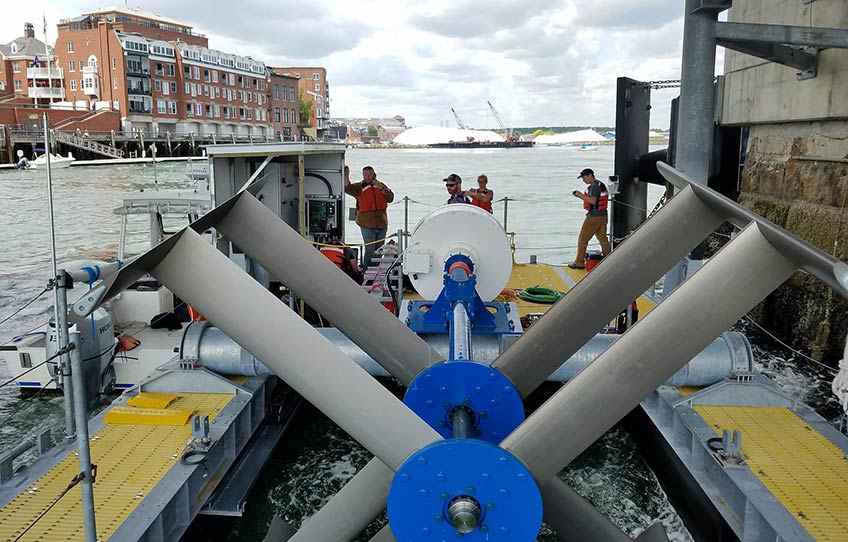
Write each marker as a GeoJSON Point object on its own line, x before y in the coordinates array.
{"type": "Point", "coordinates": [796, 163]}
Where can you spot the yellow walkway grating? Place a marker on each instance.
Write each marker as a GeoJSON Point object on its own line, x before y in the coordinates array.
{"type": "Point", "coordinates": [130, 459]}
{"type": "Point", "coordinates": [804, 470]}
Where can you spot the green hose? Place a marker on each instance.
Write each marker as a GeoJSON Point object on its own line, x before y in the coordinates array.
{"type": "Point", "coordinates": [537, 294]}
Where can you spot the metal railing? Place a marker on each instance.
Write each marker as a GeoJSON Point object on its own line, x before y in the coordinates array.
{"type": "Point", "coordinates": [86, 143]}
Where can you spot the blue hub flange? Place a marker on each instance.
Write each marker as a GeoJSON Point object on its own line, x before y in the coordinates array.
{"type": "Point", "coordinates": [492, 399]}
{"type": "Point", "coordinates": [464, 488]}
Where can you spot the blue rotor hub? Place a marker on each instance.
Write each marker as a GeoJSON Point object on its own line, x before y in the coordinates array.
{"type": "Point", "coordinates": [431, 480]}
{"type": "Point", "coordinates": [492, 399]}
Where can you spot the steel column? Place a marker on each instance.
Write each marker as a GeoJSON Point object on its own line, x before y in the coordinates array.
{"type": "Point", "coordinates": [741, 275]}
{"type": "Point", "coordinates": [83, 450]}
{"type": "Point", "coordinates": [62, 340]}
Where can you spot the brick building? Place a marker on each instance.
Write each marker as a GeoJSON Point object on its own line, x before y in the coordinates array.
{"type": "Point", "coordinates": [282, 102]}
{"type": "Point", "coordinates": [28, 71]}
{"type": "Point", "coordinates": [162, 77]}
{"type": "Point", "coordinates": [312, 84]}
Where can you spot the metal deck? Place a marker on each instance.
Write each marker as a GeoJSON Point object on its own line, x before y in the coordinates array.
{"type": "Point", "coordinates": [131, 459]}
{"type": "Point", "coordinates": [801, 468]}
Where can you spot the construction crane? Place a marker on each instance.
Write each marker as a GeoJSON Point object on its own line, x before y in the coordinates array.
{"type": "Point", "coordinates": [461, 125]}
{"type": "Point", "coordinates": [507, 131]}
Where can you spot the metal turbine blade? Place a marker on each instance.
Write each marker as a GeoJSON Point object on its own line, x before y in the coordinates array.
{"type": "Point", "coordinates": [268, 240]}
{"type": "Point", "coordinates": [199, 274]}
{"type": "Point", "coordinates": [738, 277]}
{"type": "Point", "coordinates": [574, 518]}
{"type": "Point", "coordinates": [622, 277]}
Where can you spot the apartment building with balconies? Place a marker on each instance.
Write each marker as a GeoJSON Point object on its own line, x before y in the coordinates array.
{"type": "Point", "coordinates": [28, 70]}
{"type": "Point", "coordinates": [313, 85]}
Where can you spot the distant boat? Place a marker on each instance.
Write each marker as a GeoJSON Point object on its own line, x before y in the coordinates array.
{"type": "Point", "coordinates": [56, 161]}
{"type": "Point", "coordinates": [588, 147]}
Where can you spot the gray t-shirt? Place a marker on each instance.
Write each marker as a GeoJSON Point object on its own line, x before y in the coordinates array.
{"type": "Point", "coordinates": [594, 189]}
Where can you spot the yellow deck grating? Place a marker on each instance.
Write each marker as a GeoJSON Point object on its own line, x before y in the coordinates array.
{"type": "Point", "coordinates": [131, 459]}
{"type": "Point", "coordinates": [806, 472]}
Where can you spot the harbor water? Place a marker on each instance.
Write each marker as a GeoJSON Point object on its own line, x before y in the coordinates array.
{"type": "Point", "coordinates": [317, 458]}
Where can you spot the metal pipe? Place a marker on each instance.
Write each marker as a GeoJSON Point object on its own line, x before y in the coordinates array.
{"type": "Point", "coordinates": [83, 450]}
{"type": "Point", "coordinates": [462, 423]}
{"type": "Point", "coordinates": [728, 354]}
{"type": "Point", "coordinates": [406, 215]}
{"type": "Point", "coordinates": [506, 207]}
{"type": "Point", "coordinates": [464, 514]}
{"type": "Point", "coordinates": [61, 329]}
{"type": "Point", "coordinates": [460, 334]}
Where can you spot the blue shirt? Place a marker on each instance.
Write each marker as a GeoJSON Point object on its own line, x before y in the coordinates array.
{"type": "Point", "coordinates": [459, 197]}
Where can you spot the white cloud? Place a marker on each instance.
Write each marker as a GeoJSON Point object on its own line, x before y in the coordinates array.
{"type": "Point", "coordinates": [541, 62]}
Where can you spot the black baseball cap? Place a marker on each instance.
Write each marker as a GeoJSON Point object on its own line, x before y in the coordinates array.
{"type": "Point", "coordinates": [452, 178]}
{"type": "Point", "coordinates": [587, 171]}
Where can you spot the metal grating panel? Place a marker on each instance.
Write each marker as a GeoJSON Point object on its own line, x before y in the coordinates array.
{"type": "Point", "coordinates": [131, 460]}
{"type": "Point", "coordinates": [804, 470]}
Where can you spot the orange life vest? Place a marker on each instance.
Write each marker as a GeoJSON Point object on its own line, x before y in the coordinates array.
{"type": "Point", "coordinates": [603, 200]}
{"type": "Point", "coordinates": [335, 255]}
{"type": "Point", "coordinates": [485, 205]}
{"type": "Point", "coordinates": [371, 199]}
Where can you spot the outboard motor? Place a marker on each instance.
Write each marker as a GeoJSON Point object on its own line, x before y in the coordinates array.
{"type": "Point", "coordinates": [97, 338]}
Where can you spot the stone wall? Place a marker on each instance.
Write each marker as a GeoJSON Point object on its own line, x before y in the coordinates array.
{"type": "Point", "coordinates": [796, 175]}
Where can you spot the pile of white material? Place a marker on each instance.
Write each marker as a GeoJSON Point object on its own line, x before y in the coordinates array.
{"type": "Point", "coordinates": [428, 135]}
{"type": "Point", "coordinates": [570, 138]}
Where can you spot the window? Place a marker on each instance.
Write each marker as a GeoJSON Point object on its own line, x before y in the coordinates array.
{"type": "Point", "coordinates": [114, 82]}
{"type": "Point", "coordinates": [173, 87]}
{"type": "Point", "coordinates": [70, 47]}
{"type": "Point", "coordinates": [189, 110]}
{"type": "Point", "coordinates": [170, 70]}
{"type": "Point", "coordinates": [196, 72]}
{"type": "Point", "coordinates": [291, 116]}
{"type": "Point", "coordinates": [166, 88]}
{"type": "Point", "coordinates": [172, 108]}
{"type": "Point", "coordinates": [194, 89]}
{"type": "Point", "coordinates": [73, 85]}
{"type": "Point", "coordinates": [160, 68]}
{"type": "Point", "coordinates": [217, 92]}
{"type": "Point", "coordinates": [16, 67]}
{"type": "Point", "coordinates": [229, 94]}
{"type": "Point", "coordinates": [214, 76]}
{"type": "Point", "coordinates": [292, 94]}
{"type": "Point", "coordinates": [226, 112]}
{"type": "Point", "coordinates": [317, 87]}
{"type": "Point", "coordinates": [277, 114]}
{"type": "Point", "coordinates": [206, 90]}
{"type": "Point", "coordinates": [207, 77]}
{"type": "Point", "coordinates": [208, 111]}
{"type": "Point", "coordinates": [157, 84]}
{"type": "Point", "coordinates": [232, 79]}
{"type": "Point", "coordinates": [71, 66]}
{"type": "Point", "coordinates": [18, 84]}
{"type": "Point", "coordinates": [198, 109]}
{"type": "Point", "coordinates": [316, 77]}
{"type": "Point", "coordinates": [285, 115]}
{"type": "Point", "coordinates": [276, 91]}
{"type": "Point", "coordinates": [160, 107]}
{"type": "Point", "coordinates": [217, 111]}
{"type": "Point", "coordinates": [285, 92]}
{"type": "Point", "coordinates": [187, 72]}
{"type": "Point", "coordinates": [114, 63]}
{"type": "Point", "coordinates": [188, 88]}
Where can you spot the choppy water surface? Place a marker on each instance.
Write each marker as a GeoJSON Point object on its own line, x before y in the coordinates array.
{"type": "Point", "coordinates": [317, 458]}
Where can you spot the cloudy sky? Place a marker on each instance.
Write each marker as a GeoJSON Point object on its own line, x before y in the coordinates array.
{"type": "Point", "coordinates": [540, 62]}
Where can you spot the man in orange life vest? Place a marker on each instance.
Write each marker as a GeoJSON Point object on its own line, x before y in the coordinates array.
{"type": "Point", "coordinates": [595, 202]}
{"type": "Point", "coordinates": [481, 196]}
{"type": "Point", "coordinates": [372, 199]}
{"type": "Point", "coordinates": [342, 257]}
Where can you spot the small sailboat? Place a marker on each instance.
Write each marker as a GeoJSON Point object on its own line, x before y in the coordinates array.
{"type": "Point", "coordinates": [588, 147]}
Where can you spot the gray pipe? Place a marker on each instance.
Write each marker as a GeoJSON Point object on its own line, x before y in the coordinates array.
{"type": "Point", "coordinates": [728, 354]}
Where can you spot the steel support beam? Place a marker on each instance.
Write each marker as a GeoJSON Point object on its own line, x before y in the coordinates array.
{"type": "Point", "coordinates": [822, 38]}
{"type": "Point", "coordinates": [774, 52]}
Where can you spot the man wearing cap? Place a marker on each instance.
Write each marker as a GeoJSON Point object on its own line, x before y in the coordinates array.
{"type": "Point", "coordinates": [595, 202]}
{"type": "Point", "coordinates": [453, 183]}
{"type": "Point", "coordinates": [372, 199]}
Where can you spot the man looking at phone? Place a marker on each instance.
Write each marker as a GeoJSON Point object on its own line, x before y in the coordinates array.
{"type": "Point", "coordinates": [595, 202]}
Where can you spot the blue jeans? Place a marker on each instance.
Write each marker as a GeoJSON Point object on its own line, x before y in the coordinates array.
{"type": "Point", "coordinates": [368, 236]}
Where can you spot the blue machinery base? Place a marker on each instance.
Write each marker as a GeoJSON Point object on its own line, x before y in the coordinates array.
{"type": "Point", "coordinates": [427, 483]}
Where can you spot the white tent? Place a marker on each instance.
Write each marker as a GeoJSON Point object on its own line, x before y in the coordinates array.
{"type": "Point", "coordinates": [428, 135]}
{"type": "Point", "coordinates": [570, 138]}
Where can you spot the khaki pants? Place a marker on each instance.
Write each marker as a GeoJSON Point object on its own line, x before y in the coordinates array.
{"type": "Point", "coordinates": [592, 226]}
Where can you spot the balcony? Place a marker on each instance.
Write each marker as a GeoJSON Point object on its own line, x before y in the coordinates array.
{"type": "Point", "coordinates": [137, 91]}
{"type": "Point", "coordinates": [46, 92]}
{"type": "Point", "coordinates": [138, 72]}
{"type": "Point", "coordinates": [139, 109]}
{"type": "Point", "coordinates": [52, 72]}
